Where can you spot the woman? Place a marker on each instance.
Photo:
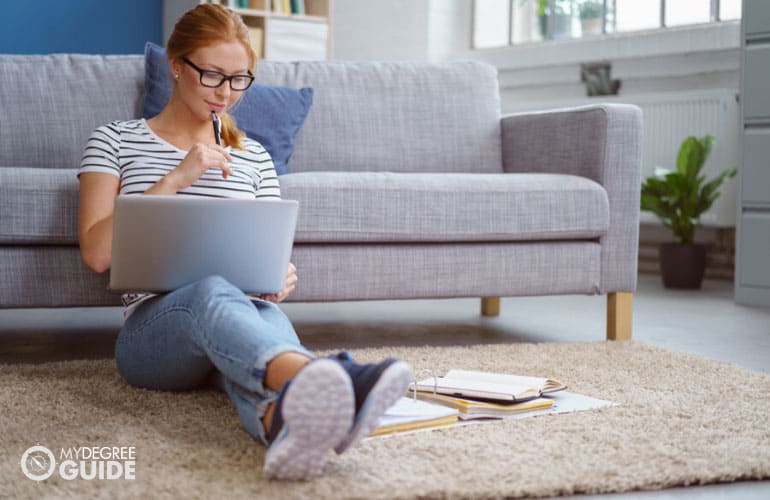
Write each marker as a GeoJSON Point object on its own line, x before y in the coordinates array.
{"type": "Point", "coordinates": [298, 405]}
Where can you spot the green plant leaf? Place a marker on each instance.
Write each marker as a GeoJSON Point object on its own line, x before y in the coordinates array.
{"type": "Point", "coordinates": [678, 198]}
{"type": "Point", "coordinates": [690, 159]}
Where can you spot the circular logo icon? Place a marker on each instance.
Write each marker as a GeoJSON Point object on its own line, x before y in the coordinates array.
{"type": "Point", "coordinates": [38, 463]}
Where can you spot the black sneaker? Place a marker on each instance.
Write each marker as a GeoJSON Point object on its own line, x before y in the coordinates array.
{"type": "Point", "coordinates": [377, 387]}
{"type": "Point", "coordinates": [313, 413]}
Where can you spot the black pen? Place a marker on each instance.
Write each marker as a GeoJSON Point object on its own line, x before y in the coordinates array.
{"type": "Point", "coordinates": [217, 128]}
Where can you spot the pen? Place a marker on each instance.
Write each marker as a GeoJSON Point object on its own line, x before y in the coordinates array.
{"type": "Point", "coordinates": [217, 128]}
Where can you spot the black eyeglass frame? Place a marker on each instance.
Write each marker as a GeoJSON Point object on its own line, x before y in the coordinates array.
{"type": "Point", "coordinates": [223, 78]}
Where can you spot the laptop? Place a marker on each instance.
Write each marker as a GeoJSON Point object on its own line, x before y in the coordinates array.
{"type": "Point", "coordinates": [161, 243]}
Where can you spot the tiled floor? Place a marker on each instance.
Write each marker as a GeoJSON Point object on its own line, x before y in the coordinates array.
{"type": "Point", "coordinates": [705, 322]}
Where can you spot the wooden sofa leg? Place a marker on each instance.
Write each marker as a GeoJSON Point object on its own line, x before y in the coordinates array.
{"type": "Point", "coordinates": [490, 306]}
{"type": "Point", "coordinates": [619, 315]}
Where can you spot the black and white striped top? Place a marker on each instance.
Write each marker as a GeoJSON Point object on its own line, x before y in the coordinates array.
{"type": "Point", "coordinates": [131, 151]}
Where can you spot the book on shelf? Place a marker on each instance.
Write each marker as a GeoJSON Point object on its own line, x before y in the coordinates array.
{"type": "Point", "coordinates": [475, 409]}
{"type": "Point", "coordinates": [488, 386]}
{"type": "Point", "coordinates": [409, 414]}
{"type": "Point", "coordinates": [255, 38]}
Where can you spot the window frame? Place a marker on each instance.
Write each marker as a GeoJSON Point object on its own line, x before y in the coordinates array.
{"type": "Point", "coordinates": [714, 17]}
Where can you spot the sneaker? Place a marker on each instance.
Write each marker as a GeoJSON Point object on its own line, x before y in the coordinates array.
{"type": "Point", "coordinates": [377, 387]}
{"type": "Point", "coordinates": [313, 414]}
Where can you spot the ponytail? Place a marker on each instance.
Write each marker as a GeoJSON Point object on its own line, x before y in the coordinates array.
{"type": "Point", "coordinates": [231, 134]}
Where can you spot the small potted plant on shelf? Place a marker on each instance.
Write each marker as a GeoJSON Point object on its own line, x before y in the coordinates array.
{"type": "Point", "coordinates": [562, 18]}
{"type": "Point", "coordinates": [590, 12]}
{"type": "Point", "coordinates": [678, 198]}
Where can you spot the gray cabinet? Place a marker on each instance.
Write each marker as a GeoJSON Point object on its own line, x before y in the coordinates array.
{"type": "Point", "coordinates": [752, 277]}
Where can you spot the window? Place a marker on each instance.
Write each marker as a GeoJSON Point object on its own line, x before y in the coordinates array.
{"type": "Point", "coordinates": [497, 23]}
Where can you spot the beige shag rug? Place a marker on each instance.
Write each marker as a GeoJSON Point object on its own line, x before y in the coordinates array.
{"type": "Point", "coordinates": [682, 420]}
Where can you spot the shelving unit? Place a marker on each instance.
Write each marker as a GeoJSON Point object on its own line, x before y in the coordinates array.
{"type": "Point", "coordinates": [752, 279]}
{"type": "Point", "coordinates": [278, 34]}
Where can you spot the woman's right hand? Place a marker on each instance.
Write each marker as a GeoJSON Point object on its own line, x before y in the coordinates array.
{"type": "Point", "coordinates": [199, 159]}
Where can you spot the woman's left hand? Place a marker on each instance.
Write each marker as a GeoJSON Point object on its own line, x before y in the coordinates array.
{"type": "Point", "coordinates": [291, 282]}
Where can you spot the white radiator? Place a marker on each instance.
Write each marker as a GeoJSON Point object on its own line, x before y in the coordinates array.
{"type": "Point", "coordinates": [669, 118]}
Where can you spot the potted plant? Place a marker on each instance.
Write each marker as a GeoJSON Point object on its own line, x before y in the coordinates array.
{"type": "Point", "coordinates": [562, 18]}
{"type": "Point", "coordinates": [590, 12]}
{"type": "Point", "coordinates": [678, 198]}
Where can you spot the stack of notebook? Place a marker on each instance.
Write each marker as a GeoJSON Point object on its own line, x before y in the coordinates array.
{"type": "Point", "coordinates": [466, 395]}
{"type": "Point", "coordinates": [487, 395]}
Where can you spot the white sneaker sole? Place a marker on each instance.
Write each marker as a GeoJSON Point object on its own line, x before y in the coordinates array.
{"type": "Point", "coordinates": [392, 385]}
{"type": "Point", "coordinates": [317, 413]}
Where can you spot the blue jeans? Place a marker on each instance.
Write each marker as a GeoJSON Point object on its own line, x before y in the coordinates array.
{"type": "Point", "coordinates": [208, 331]}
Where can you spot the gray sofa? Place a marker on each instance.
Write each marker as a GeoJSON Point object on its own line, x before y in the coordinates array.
{"type": "Point", "coordinates": [410, 183]}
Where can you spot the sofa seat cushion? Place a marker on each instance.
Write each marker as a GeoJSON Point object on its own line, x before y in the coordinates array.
{"type": "Point", "coordinates": [40, 206]}
{"type": "Point", "coordinates": [400, 207]}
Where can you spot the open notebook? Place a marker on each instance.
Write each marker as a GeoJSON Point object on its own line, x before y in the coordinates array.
{"type": "Point", "coordinates": [488, 386]}
{"type": "Point", "coordinates": [410, 414]}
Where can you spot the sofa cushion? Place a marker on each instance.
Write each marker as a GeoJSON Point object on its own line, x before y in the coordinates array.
{"type": "Point", "coordinates": [39, 206]}
{"type": "Point", "coordinates": [387, 207]}
{"type": "Point", "coordinates": [51, 103]}
{"type": "Point", "coordinates": [397, 116]}
{"type": "Point", "coordinates": [270, 115]}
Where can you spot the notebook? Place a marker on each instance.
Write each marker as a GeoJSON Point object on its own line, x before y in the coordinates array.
{"type": "Point", "coordinates": [474, 409]}
{"type": "Point", "coordinates": [488, 386]}
{"type": "Point", "coordinates": [161, 243]}
{"type": "Point", "coordinates": [409, 414]}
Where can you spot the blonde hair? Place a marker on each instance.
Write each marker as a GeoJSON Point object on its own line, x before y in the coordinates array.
{"type": "Point", "coordinates": [204, 25]}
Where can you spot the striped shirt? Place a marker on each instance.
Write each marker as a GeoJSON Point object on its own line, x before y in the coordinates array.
{"type": "Point", "coordinates": [131, 151]}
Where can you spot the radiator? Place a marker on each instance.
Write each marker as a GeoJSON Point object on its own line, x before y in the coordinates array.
{"type": "Point", "coordinates": [670, 118]}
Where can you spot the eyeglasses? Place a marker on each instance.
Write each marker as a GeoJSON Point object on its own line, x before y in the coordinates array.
{"type": "Point", "coordinates": [214, 79]}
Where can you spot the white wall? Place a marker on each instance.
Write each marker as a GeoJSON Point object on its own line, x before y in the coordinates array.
{"type": "Point", "coordinates": [173, 10]}
{"type": "Point", "coordinates": [409, 30]}
{"type": "Point", "coordinates": [691, 58]}
{"type": "Point", "coordinates": [380, 30]}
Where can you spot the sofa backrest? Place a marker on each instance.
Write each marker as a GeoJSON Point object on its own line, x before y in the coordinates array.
{"type": "Point", "coordinates": [373, 116]}
{"type": "Point", "coordinates": [394, 116]}
{"type": "Point", "coordinates": [50, 104]}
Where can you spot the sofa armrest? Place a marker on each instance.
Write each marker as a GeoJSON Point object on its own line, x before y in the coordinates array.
{"type": "Point", "coordinates": [602, 142]}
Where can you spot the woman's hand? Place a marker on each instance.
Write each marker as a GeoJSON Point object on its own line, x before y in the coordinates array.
{"type": "Point", "coordinates": [291, 282]}
{"type": "Point", "coordinates": [199, 159]}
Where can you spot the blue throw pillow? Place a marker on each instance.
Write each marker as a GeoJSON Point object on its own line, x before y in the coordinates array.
{"type": "Point", "coordinates": [270, 115]}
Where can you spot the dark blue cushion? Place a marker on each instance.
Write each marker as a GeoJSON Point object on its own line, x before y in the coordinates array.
{"type": "Point", "coordinates": [270, 115]}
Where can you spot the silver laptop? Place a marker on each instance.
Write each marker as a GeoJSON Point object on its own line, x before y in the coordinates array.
{"type": "Point", "coordinates": [161, 243]}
